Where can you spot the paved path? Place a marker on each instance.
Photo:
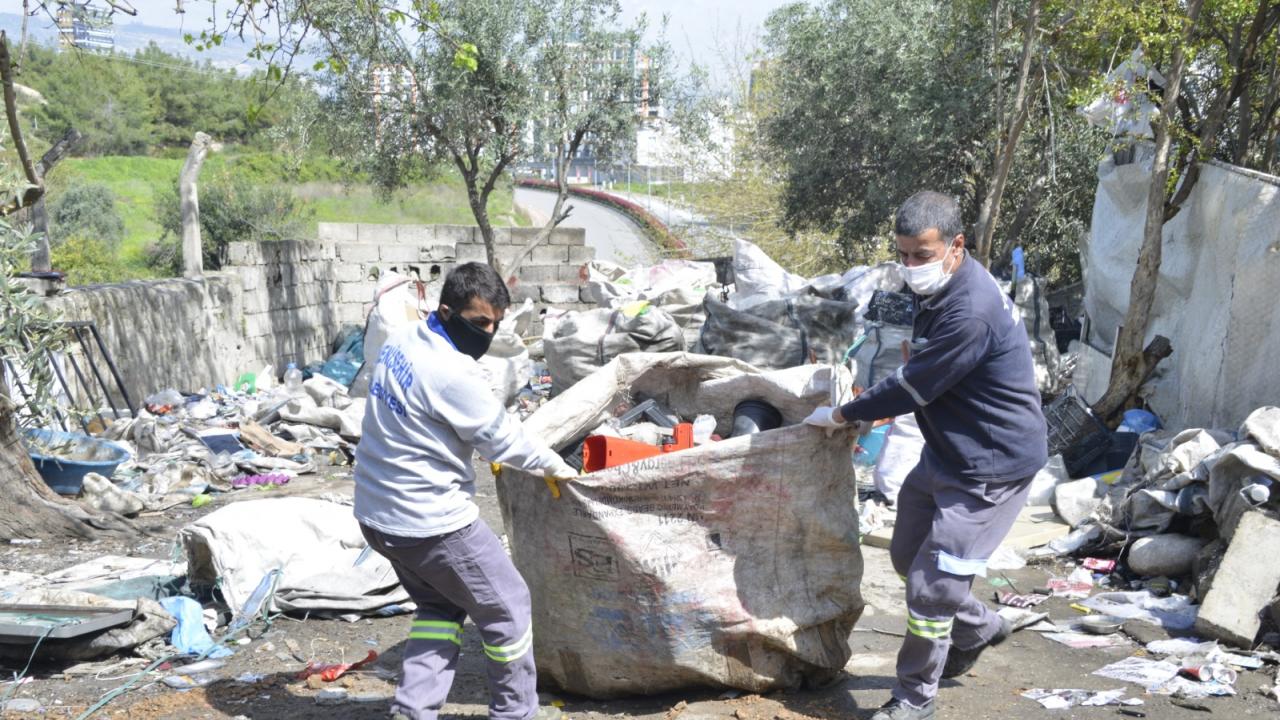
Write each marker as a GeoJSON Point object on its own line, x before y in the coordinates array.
{"type": "Point", "coordinates": [611, 233]}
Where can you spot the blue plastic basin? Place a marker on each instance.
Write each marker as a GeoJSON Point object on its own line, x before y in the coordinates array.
{"type": "Point", "coordinates": [65, 471]}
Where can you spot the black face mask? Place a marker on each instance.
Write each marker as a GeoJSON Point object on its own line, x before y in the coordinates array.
{"type": "Point", "coordinates": [468, 338]}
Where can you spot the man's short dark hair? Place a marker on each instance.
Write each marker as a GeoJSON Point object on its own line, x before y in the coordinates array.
{"type": "Point", "coordinates": [928, 209]}
{"type": "Point", "coordinates": [474, 280]}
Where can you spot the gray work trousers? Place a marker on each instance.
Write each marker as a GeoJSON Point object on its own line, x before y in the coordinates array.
{"type": "Point", "coordinates": [947, 528]}
{"type": "Point", "coordinates": [450, 577]}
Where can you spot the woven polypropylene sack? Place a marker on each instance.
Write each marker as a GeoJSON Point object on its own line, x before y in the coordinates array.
{"type": "Point", "coordinates": [734, 564]}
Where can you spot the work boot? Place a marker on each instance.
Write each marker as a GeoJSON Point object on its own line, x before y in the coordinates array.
{"type": "Point", "coordinates": [895, 709]}
{"type": "Point", "coordinates": [547, 712]}
{"type": "Point", "coordinates": [960, 661]}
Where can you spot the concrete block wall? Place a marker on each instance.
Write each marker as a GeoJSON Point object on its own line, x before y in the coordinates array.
{"type": "Point", "coordinates": [280, 302]}
{"type": "Point", "coordinates": [181, 334]}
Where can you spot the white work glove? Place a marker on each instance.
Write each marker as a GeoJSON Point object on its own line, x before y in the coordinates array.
{"type": "Point", "coordinates": [824, 417]}
{"type": "Point", "coordinates": [560, 471]}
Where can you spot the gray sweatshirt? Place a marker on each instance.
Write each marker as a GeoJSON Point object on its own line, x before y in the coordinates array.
{"type": "Point", "coordinates": [429, 409]}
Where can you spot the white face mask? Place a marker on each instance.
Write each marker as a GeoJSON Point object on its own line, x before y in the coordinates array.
{"type": "Point", "coordinates": [929, 278]}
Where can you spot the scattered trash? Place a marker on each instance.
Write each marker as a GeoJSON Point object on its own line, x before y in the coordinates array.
{"type": "Point", "coordinates": [329, 672]}
{"type": "Point", "coordinates": [190, 636]}
{"type": "Point", "coordinates": [1176, 612]}
{"type": "Point", "coordinates": [22, 705]}
{"type": "Point", "coordinates": [1079, 584]}
{"type": "Point", "coordinates": [270, 480]}
{"type": "Point", "coordinates": [1098, 565]}
{"type": "Point", "coordinates": [1062, 699]}
{"type": "Point", "coordinates": [188, 682]}
{"type": "Point", "coordinates": [1140, 671]}
{"type": "Point", "coordinates": [1020, 619]}
{"type": "Point", "coordinates": [1082, 640]}
{"type": "Point", "coordinates": [1020, 601]}
{"type": "Point", "coordinates": [1102, 624]}
{"type": "Point", "coordinates": [331, 696]}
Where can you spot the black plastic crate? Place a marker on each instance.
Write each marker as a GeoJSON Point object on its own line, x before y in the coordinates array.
{"type": "Point", "coordinates": [1070, 421]}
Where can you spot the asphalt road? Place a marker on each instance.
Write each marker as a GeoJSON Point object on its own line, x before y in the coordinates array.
{"type": "Point", "coordinates": [614, 237]}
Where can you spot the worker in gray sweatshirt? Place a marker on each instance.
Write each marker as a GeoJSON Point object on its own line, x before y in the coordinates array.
{"type": "Point", "coordinates": [429, 410]}
{"type": "Point", "coordinates": [970, 381]}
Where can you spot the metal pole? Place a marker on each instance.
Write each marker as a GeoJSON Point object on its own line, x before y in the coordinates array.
{"type": "Point", "coordinates": [62, 380]}
{"type": "Point", "coordinates": [124, 392]}
{"type": "Point", "coordinates": [97, 374]}
{"type": "Point", "coordinates": [71, 360]}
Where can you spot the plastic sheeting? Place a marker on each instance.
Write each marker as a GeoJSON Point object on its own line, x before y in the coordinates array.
{"type": "Point", "coordinates": [582, 342]}
{"type": "Point", "coordinates": [1215, 299]}
{"type": "Point", "coordinates": [314, 543]}
{"type": "Point", "coordinates": [780, 333]}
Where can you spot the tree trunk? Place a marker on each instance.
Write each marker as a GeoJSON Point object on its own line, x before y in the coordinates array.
{"type": "Point", "coordinates": [480, 210]}
{"type": "Point", "coordinates": [192, 248]}
{"type": "Point", "coordinates": [985, 228]}
{"type": "Point", "coordinates": [28, 507]}
{"type": "Point", "coordinates": [39, 217]}
{"type": "Point", "coordinates": [35, 188]}
{"type": "Point", "coordinates": [1130, 366]}
{"type": "Point", "coordinates": [559, 213]}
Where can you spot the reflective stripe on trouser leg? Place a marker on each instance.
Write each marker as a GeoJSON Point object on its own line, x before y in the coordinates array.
{"type": "Point", "coordinates": [436, 630]}
{"type": "Point", "coordinates": [968, 522]}
{"type": "Point", "coordinates": [512, 652]}
{"type": "Point", "coordinates": [928, 629]}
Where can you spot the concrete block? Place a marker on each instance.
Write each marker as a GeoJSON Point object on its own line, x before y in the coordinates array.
{"type": "Point", "coordinates": [415, 234]}
{"type": "Point", "coordinates": [571, 273]}
{"type": "Point", "coordinates": [456, 234]}
{"type": "Point", "coordinates": [251, 278]}
{"type": "Point", "coordinates": [569, 236]}
{"type": "Point", "coordinates": [349, 272]}
{"type": "Point", "coordinates": [436, 252]}
{"type": "Point", "coordinates": [337, 232]}
{"type": "Point", "coordinates": [470, 252]}
{"type": "Point", "coordinates": [540, 274]}
{"type": "Point", "coordinates": [350, 313]}
{"type": "Point", "coordinates": [525, 291]}
{"type": "Point", "coordinates": [550, 255]}
{"type": "Point", "coordinates": [237, 253]}
{"type": "Point", "coordinates": [394, 253]}
{"type": "Point", "coordinates": [1245, 582]}
{"type": "Point", "coordinates": [559, 294]}
{"type": "Point", "coordinates": [376, 233]}
{"type": "Point", "coordinates": [358, 253]}
{"type": "Point", "coordinates": [501, 236]}
{"type": "Point", "coordinates": [523, 236]}
{"type": "Point", "coordinates": [581, 254]}
{"type": "Point", "coordinates": [326, 251]}
{"type": "Point", "coordinates": [360, 292]}
{"type": "Point", "coordinates": [256, 301]}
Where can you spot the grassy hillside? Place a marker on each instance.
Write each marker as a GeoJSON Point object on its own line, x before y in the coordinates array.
{"type": "Point", "coordinates": [137, 180]}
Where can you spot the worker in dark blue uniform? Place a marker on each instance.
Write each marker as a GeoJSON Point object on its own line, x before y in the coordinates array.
{"type": "Point", "coordinates": [970, 381]}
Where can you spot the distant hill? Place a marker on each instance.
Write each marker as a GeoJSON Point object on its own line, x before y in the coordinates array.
{"type": "Point", "coordinates": [132, 36]}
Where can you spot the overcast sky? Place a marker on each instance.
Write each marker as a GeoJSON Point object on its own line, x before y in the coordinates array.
{"type": "Point", "coordinates": [700, 30]}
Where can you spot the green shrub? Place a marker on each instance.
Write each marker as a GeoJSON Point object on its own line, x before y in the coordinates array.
{"type": "Point", "coordinates": [87, 260]}
{"type": "Point", "coordinates": [86, 209]}
{"type": "Point", "coordinates": [230, 211]}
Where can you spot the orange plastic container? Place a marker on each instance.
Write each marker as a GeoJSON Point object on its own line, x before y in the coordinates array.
{"type": "Point", "coordinates": [602, 451]}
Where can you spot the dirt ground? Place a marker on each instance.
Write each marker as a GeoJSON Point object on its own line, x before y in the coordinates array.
{"type": "Point", "coordinates": [259, 681]}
